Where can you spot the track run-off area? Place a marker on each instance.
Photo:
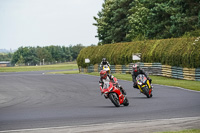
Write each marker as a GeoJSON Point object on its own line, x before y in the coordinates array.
{"type": "Point", "coordinates": [39, 102]}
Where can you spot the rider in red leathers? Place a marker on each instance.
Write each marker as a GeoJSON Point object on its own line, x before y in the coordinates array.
{"type": "Point", "coordinates": [105, 77]}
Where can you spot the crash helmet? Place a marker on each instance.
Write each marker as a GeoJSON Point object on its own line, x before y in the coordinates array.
{"type": "Point", "coordinates": [103, 74]}
{"type": "Point", "coordinates": [104, 59]}
{"type": "Point", "coordinates": [135, 67]}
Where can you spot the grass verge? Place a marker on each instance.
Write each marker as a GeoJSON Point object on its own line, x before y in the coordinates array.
{"type": "Point", "coordinates": [62, 66]}
{"type": "Point", "coordinates": [187, 84]}
{"type": "Point", "coordinates": [184, 131]}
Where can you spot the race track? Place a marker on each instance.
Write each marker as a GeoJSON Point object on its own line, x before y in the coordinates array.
{"type": "Point", "coordinates": [37, 100]}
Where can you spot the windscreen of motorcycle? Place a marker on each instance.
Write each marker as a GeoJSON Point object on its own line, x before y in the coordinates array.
{"type": "Point", "coordinates": [106, 85]}
{"type": "Point", "coordinates": [141, 78]}
{"type": "Point", "coordinates": [105, 66]}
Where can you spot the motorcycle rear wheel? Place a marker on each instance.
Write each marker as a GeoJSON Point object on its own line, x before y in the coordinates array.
{"type": "Point", "coordinates": [114, 99]}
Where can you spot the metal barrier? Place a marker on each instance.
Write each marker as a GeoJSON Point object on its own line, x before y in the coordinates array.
{"type": "Point", "coordinates": [197, 74]}
{"type": "Point", "coordinates": [151, 69]}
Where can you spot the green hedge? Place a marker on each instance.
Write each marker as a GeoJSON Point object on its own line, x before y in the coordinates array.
{"type": "Point", "coordinates": [175, 52]}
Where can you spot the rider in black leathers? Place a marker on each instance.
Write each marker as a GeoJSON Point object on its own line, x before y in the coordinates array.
{"type": "Point", "coordinates": [104, 62]}
{"type": "Point", "coordinates": [136, 71]}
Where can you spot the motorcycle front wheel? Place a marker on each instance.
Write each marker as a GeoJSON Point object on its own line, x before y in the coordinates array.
{"type": "Point", "coordinates": [114, 99]}
{"type": "Point", "coordinates": [146, 91]}
{"type": "Point", "coordinates": [126, 102]}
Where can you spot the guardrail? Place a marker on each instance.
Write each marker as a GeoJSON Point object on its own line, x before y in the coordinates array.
{"type": "Point", "coordinates": [151, 69]}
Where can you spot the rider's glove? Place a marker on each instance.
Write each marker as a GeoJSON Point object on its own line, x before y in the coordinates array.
{"type": "Point", "coordinates": [149, 79]}
{"type": "Point", "coordinates": [100, 83]}
{"type": "Point", "coordinates": [113, 81]}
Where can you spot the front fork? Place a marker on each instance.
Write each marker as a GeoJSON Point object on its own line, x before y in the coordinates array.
{"type": "Point", "coordinates": [148, 83]}
{"type": "Point", "coordinates": [149, 86]}
{"type": "Point", "coordinates": [120, 95]}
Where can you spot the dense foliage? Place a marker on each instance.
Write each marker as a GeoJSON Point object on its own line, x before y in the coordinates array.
{"type": "Point", "coordinates": [50, 54]}
{"type": "Point", "coordinates": [183, 52]}
{"type": "Point", "coordinates": [128, 20]}
{"type": "Point", "coordinates": [5, 56]}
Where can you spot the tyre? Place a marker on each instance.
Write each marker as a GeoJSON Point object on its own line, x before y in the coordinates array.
{"type": "Point", "coordinates": [126, 102]}
{"type": "Point", "coordinates": [146, 91]}
{"type": "Point", "coordinates": [114, 99]}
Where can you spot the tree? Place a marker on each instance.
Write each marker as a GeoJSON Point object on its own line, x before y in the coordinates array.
{"type": "Point", "coordinates": [6, 56]}
{"type": "Point", "coordinates": [20, 60]}
{"type": "Point", "coordinates": [137, 21]}
{"type": "Point", "coordinates": [119, 29]}
{"type": "Point", "coordinates": [104, 23]}
{"type": "Point", "coordinates": [67, 54]}
{"type": "Point", "coordinates": [172, 18]}
{"type": "Point", "coordinates": [43, 53]}
{"type": "Point", "coordinates": [127, 20]}
{"type": "Point", "coordinates": [75, 50]}
{"type": "Point", "coordinates": [186, 17]}
{"type": "Point", "coordinates": [35, 55]}
{"type": "Point", "coordinates": [17, 54]}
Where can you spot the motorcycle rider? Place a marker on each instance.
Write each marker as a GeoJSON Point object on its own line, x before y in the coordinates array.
{"type": "Point", "coordinates": [106, 77]}
{"type": "Point", "coordinates": [104, 62]}
{"type": "Point", "coordinates": [136, 71]}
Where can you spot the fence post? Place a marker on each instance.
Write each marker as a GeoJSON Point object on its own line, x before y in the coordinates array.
{"type": "Point", "coordinates": [112, 67]}
{"type": "Point", "coordinates": [197, 74]}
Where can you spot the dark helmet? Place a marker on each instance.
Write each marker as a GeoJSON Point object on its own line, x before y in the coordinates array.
{"type": "Point", "coordinates": [103, 74]}
{"type": "Point", "coordinates": [104, 59]}
{"type": "Point", "coordinates": [136, 67]}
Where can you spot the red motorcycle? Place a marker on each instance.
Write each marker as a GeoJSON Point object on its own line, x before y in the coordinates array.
{"type": "Point", "coordinates": [112, 91]}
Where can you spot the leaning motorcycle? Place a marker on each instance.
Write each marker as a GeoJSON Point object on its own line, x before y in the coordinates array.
{"type": "Point", "coordinates": [142, 83]}
{"type": "Point", "coordinates": [111, 91]}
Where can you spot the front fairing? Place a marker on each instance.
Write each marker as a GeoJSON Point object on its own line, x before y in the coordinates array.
{"type": "Point", "coordinates": [106, 68]}
{"type": "Point", "coordinates": [110, 88]}
{"type": "Point", "coordinates": [107, 87]}
{"type": "Point", "coordinates": [141, 81]}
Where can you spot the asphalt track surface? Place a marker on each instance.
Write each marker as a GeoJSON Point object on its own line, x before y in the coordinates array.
{"type": "Point", "coordinates": [30, 100]}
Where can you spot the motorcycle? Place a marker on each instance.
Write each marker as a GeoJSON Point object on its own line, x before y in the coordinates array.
{"type": "Point", "coordinates": [107, 68]}
{"type": "Point", "coordinates": [111, 91]}
{"type": "Point", "coordinates": [142, 82]}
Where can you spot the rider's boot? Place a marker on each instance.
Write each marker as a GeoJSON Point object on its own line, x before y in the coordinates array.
{"type": "Point", "coordinates": [135, 86]}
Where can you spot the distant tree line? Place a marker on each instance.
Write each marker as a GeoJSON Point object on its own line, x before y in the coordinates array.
{"type": "Point", "coordinates": [5, 56]}
{"type": "Point", "coordinates": [129, 20]}
{"type": "Point", "coordinates": [48, 54]}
